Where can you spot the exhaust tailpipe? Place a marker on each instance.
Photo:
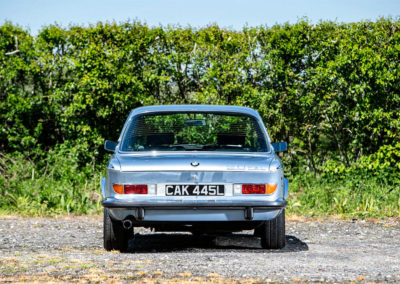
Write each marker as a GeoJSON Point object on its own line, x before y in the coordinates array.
{"type": "Point", "coordinates": [127, 224]}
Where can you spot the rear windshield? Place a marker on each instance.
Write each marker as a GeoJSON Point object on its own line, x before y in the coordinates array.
{"type": "Point", "coordinates": [194, 132]}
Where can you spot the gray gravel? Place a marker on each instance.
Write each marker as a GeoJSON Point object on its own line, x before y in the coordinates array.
{"type": "Point", "coordinates": [70, 249]}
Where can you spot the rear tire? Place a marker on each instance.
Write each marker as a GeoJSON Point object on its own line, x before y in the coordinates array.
{"type": "Point", "coordinates": [272, 232]}
{"type": "Point", "coordinates": [115, 236]}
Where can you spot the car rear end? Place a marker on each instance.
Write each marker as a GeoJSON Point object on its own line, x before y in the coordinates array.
{"type": "Point", "coordinates": [191, 169]}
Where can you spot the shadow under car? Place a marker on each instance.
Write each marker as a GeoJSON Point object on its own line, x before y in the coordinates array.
{"type": "Point", "coordinates": [162, 242]}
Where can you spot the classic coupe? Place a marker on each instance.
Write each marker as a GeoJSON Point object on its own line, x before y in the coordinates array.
{"type": "Point", "coordinates": [194, 168]}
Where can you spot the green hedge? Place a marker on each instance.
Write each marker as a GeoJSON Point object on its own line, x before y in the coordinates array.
{"type": "Point", "coordinates": [331, 90]}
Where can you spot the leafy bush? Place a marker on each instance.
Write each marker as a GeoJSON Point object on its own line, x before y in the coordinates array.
{"type": "Point", "coordinates": [56, 185]}
{"type": "Point", "coordinates": [331, 90]}
{"type": "Point", "coordinates": [382, 166]}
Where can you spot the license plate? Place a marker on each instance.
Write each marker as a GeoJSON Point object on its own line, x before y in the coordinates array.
{"type": "Point", "coordinates": [195, 189]}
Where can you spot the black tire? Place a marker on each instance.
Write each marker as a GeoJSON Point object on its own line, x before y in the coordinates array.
{"type": "Point", "coordinates": [115, 236]}
{"type": "Point", "coordinates": [272, 232]}
{"type": "Point", "coordinates": [108, 234]}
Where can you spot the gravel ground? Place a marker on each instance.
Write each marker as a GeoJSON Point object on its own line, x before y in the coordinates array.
{"type": "Point", "coordinates": [69, 249]}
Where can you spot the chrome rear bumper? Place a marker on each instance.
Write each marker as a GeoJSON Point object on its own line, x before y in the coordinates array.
{"type": "Point", "coordinates": [194, 211]}
{"type": "Point", "coordinates": [118, 203]}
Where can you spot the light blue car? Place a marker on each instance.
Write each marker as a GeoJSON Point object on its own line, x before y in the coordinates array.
{"type": "Point", "coordinates": [196, 168]}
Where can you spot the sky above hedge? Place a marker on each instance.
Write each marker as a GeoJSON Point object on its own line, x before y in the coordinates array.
{"type": "Point", "coordinates": [226, 13]}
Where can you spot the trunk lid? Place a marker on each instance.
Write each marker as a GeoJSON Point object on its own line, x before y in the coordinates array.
{"type": "Point", "coordinates": [195, 162]}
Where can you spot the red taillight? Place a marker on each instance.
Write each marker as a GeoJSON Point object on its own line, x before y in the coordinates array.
{"type": "Point", "coordinates": [253, 189]}
{"type": "Point", "coordinates": [135, 188]}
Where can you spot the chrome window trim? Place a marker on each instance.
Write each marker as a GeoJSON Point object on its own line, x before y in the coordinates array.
{"type": "Point", "coordinates": [194, 109]}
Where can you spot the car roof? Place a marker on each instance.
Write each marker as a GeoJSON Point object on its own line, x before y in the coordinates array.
{"type": "Point", "coordinates": [195, 108]}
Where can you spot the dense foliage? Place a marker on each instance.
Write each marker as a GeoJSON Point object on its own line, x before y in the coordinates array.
{"type": "Point", "coordinates": [331, 90]}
